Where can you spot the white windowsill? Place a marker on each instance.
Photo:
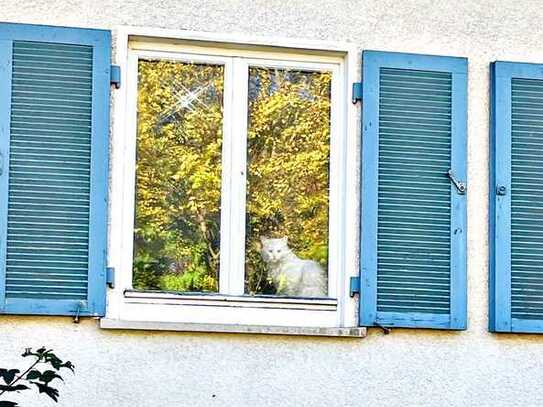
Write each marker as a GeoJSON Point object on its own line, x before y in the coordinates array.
{"type": "Point", "coordinates": [354, 332]}
{"type": "Point", "coordinates": [149, 297]}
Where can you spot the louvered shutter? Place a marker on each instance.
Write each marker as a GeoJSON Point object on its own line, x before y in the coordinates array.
{"type": "Point", "coordinates": [516, 198]}
{"type": "Point", "coordinates": [413, 222]}
{"type": "Point", "coordinates": [54, 126]}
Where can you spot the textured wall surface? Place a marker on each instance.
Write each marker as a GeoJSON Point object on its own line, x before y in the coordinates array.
{"type": "Point", "coordinates": [405, 368]}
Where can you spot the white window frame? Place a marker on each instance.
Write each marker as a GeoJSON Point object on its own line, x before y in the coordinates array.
{"type": "Point", "coordinates": [230, 306]}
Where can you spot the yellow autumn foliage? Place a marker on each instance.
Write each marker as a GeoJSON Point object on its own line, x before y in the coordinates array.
{"type": "Point", "coordinates": [178, 174]}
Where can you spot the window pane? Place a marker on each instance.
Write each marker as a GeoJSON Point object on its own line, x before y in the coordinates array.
{"type": "Point", "coordinates": [178, 176]}
{"type": "Point", "coordinates": [287, 182]}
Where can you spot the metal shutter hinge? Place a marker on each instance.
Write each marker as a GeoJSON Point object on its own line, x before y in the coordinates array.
{"type": "Point", "coordinates": [501, 190]}
{"type": "Point", "coordinates": [354, 287]}
{"type": "Point", "coordinates": [357, 92]}
{"type": "Point", "coordinates": [115, 76]}
{"type": "Point", "coordinates": [460, 186]}
{"type": "Point", "coordinates": [110, 277]}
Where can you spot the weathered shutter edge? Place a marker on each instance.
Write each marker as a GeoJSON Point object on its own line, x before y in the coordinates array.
{"type": "Point", "coordinates": [500, 314]}
{"type": "Point", "coordinates": [100, 40]}
{"type": "Point", "coordinates": [492, 311]}
{"type": "Point", "coordinates": [372, 61]}
{"type": "Point", "coordinates": [6, 63]}
{"type": "Point", "coordinates": [500, 205]}
{"type": "Point", "coordinates": [98, 226]}
{"type": "Point", "coordinates": [54, 34]}
{"type": "Point", "coordinates": [459, 131]}
{"type": "Point", "coordinates": [369, 188]}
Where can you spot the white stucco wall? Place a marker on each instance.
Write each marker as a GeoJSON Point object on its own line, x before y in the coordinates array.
{"type": "Point", "coordinates": [405, 368]}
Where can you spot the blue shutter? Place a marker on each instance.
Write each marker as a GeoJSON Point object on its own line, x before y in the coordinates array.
{"type": "Point", "coordinates": [54, 126]}
{"type": "Point", "coordinates": [516, 198]}
{"type": "Point", "coordinates": [413, 222]}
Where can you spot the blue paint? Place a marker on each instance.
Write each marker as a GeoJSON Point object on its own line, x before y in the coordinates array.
{"type": "Point", "coordinates": [492, 206]}
{"type": "Point", "coordinates": [100, 40]}
{"type": "Point", "coordinates": [116, 76]}
{"type": "Point", "coordinates": [357, 92]}
{"type": "Point", "coordinates": [25, 306]}
{"type": "Point", "coordinates": [527, 326]}
{"type": "Point", "coordinates": [415, 320]}
{"type": "Point", "coordinates": [110, 277]}
{"type": "Point", "coordinates": [500, 256]}
{"type": "Point", "coordinates": [5, 109]}
{"type": "Point", "coordinates": [373, 61]}
{"type": "Point", "coordinates": [500, 205]}
{"type": "Point", "coordinates": [99, 176]}
{"type": "Point", "coordinates": [47, 33]}
{"type": "Point", "coordinates": [458, 202]}
{"type": "Point", "coordinates": [354, 286]}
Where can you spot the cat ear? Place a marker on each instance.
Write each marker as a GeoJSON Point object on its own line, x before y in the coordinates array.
{"type": "Point", "coordinates": [284, 239]}
{"type": "Point", "coordinates": [263, 240]}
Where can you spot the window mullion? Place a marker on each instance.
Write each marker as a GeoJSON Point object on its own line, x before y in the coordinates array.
{"type": "Point", "coordinates": [238, 178]}
{"type": "Point", "coordinates": [226, 187]}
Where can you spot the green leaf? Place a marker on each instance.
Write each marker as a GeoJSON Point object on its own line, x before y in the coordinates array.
{"type": "Point", "coordinates": [9, 375]}
{"type": "Point", "coordinates": [49, 375]}
{"type": "Point", "coordinates": [44, 388]}
{"type": "Point", "coordinates": [33, 375]}
{"type": "Point", "coordinates": [53, 360]}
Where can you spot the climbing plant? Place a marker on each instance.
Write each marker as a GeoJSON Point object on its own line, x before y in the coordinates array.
{"type": "Point", "coordinates": [44, 368]}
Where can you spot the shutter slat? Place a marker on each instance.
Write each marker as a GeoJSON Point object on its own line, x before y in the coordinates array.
{"type": "Point", "coordinates": [409, 197]}
{"type": "Point", "coordinates": [50, 156]}
{"type": "Point", "coordinates": [516, 266]}
{"type": "Point", "coordinates": [527, 199]}
{"type": "Point", "coordinates": [413, 227]}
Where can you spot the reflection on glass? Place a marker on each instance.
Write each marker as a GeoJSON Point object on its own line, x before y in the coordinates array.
{"type": "Point", "coordinates": [287, 181]}
{"type": "Point", "coordinates": [178, 176]}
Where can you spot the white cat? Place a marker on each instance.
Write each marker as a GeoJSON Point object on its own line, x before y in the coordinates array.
{"type": "Point", "coordinates": [291, 275]}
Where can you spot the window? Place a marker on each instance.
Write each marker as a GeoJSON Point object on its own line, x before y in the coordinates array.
{"type": "Point", "coordinates": [234, 170]}
{"type": "Point", "coordinates": [235, 187]}
{"type": "Point", "coordinates": [200, 182]}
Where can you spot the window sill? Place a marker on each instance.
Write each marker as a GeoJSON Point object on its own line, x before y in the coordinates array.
{"type": "Point", "coordinates": [353, 332]}
{"type": "Point", "coordinates": [150, 297]}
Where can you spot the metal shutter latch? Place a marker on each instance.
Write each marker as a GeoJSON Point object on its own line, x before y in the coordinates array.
{"type": "Point", "coordinates": [460, 186]}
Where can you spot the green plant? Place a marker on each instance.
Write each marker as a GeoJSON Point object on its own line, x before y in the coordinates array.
{"type": "Point", "coordinates": [36, 374]}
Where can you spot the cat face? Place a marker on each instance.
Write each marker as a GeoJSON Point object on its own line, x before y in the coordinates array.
{"type": "Point", "coordinates": [273, 250]}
